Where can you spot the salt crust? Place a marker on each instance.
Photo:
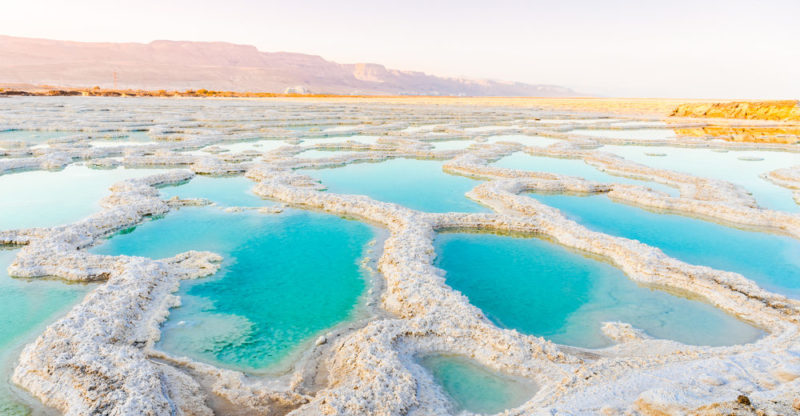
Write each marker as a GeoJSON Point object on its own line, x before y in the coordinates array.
{"type": "Point", "coordinates": [99, 358]}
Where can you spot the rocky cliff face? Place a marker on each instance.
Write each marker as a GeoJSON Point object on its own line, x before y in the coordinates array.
{"type": "Point", "coordinates": [224, 66]}
{"type": "Point", "coordinates": [787, 110]}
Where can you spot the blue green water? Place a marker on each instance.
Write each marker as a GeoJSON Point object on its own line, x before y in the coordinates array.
{"type": "Point", "coordinates": [544, 289]}
{"type": "Point", "coordinates": [416, 184]}
{"type": "Point", "coordinates": [772, 261]}
{"type": "Point", "coordinates": [637, 134]}
{"type": "Point", "coordinates": [322, 154]}
{"type": "Point", "coordinates": [451, 144]}
{"type": "Point", "coordinates": [572, 167]}
{"type": "Point", "coordinates": [46, 199]}
{"type": "Point", "coordinates": [33, 136]}
{"type": "Point", "coordinates": [363, 139]}
{"type": "Point", "coordinates": [27, 306]}
{"type": "Point", "coordinates": [527, 140]}
{"type": "Point", "coordinates": [229, 191]}
{"type": "Point", "coordinates": [726, 166]}
{"type": "Point", "coordinates": [475, 388]}
{"type": "Point", "coordinates": [285, 279]}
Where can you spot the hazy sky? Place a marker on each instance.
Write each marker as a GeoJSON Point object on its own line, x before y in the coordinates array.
{"type": "Point", "coordinates": [676, 48]}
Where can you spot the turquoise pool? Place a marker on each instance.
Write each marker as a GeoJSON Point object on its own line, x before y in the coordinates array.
{"type": "Point", "coordinates": [544, 289]}
{"type": "Point", "coordinates": [573, 167]}
{"type": "Point", "coordinates": [46, 199]}
{"type": "Point", "coordinates": [229, 191]}
{"type": "Point", "coordinates": [475, 388]}
{"type": "Point", "coordinates": [27, 306]}
{"type": "Point", "coordinates": [286, 278]}
{"type": "Point", "coordinates": [416, 184]}
{"type": "Point", "coordinates": [772, 261]}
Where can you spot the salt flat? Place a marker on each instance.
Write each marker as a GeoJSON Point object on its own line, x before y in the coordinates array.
{"type": "Point", "coordinates": [352, 212]}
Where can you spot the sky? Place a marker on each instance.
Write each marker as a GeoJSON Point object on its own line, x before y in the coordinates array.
{"type": "Point", "coordinates": [677, 48]}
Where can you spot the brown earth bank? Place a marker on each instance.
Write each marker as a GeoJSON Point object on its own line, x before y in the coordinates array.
{"type": "Point", "coordinates": [786, 110]}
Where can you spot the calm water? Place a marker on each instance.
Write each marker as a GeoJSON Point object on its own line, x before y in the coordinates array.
{"type": "Point", "coordinates": [286, 278]}
{"type": "Point", "coordinates": [546, 290]}
{"type": "Point", "coordinates": [572, 167]}
{"type": "Point", "coordinates": [229, 191]}
{"type": "Point", "coordinates": [416, 184]}
{"type": "Point", "coordinates": [33, 136]}
{"type": "Point", "coordinates": [475, 388]}
{"type": "Point", "coordinates": [46, 199]}
{"type": "Point", "coordinates": [539, 141]}
{"type": "Point", "coordinates": [253, 146]}
{"type": "Point", "coordinates": [452, 144]}
{"type": "Point", "coordinates": [639, 134]}
{"type": "Point", "coordinates": [27, 306]}
{"type": "Point", "coordinates": [322, 154]}
{"type": "Point", "coordinates": [363, 139]}
{"type": "Point", "coordinates": [772, 261]}
{"type": "Point", "coordinates": [726, 166]}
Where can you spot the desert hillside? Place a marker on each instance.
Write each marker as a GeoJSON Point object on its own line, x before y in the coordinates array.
{"type": "Point", "coordinates": [225, 66]}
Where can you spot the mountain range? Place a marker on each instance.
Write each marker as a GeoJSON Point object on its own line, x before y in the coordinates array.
{"type": "Point", "coordinates": [182, 65]}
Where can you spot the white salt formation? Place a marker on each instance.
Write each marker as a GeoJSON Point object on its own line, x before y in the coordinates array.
{"type": "Point", "coordinates": [100, 357]}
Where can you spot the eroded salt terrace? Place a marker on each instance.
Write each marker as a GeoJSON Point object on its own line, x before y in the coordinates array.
{"type": "Point", "coordinates": [198, 257]}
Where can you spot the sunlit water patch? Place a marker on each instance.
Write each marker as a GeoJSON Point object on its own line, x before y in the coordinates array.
{"type": "Point", "coordinates": [543, 289]}
{"type": "Point", "coordinates": [363, 139]}
{"type": "Point", "coordinates": [33, 136]}
{"type": "Point", "coordinates": [636, 134]}
{"type": "Point", "coordinates": [45, 199]}
{"type": "Point", "coordinates": [344, 128]}
{"type": "Point", "coordinates": [475, 388]}
{"type": "Point", "coordinates": [451, 144]}
{"type": "Point", "coordinates": [253, 146]}
{"type": "Point", "coordinates": [580, 121]}
{"type": "Point", "coordinates": [322, 154]}
{"type": "Point", "coordinates": [527, 140]}
{"type": "Point", "coordinates": [418, 129]}
{"type": "Point", "coordinates": [230, 191]}
{"type": "Point", "coordinates": [116, 143]}
{"type": "Point", "coordinates": [573, 167]}
{"type": "Point", "coordinates": [27, 306]}
{"type": "Point", "coordinates": [640, 124]}
{"type": "Point", "coordinates": [416, 184]}
{"type": "Point", "coordinates": [285, 279]}
{"type": "Point", "coordinates": [770, 260]}
{"type": "Point", "coordinates": [483, 129]}
{"type": "Point", "coordinates": [727, 166]}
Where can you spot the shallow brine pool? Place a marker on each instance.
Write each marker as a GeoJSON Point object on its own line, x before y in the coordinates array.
{"type": "Point", "coordinates": [27, 306]}
{"type": "Point", "coordinates": [772, 261]}
{"type": "Point", "coordinates": [544, 289]}
{"type": "Point", "coordinates": [416, 184]}
{"type": "Point", "coordinates": [362, 139]}
{"type": "Point", "coordinates": [47, 198]}
{"type": "Point", "coordinates": [634, 134]}
{"type": "Point", "coordinates": [33, 137]}
{"type": "Point", "coordinates": [573, 167]}
{"type": "Point", "coordinates": [322, 154]}
{"type": "Point", "coordinates": [286, 279]}
{"type": "Point", "coordinates": [527, 140]}
{"type": "Point", "coordinates": [475, 388]}
{"type": "Point", "coordinates": [739, 167]}
{"type": "Point", "coordinates": [228, 191]}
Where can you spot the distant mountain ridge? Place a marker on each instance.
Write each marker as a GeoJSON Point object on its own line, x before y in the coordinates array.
{"type": "Point", "coordinates": [181, 65]}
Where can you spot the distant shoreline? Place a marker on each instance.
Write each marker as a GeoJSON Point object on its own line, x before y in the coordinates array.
{"type": "Point", "coordinates": [755, 110]}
